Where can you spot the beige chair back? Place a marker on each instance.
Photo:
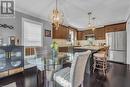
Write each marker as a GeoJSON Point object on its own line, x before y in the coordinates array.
{"type": "Point", "coordinates": [78, 68]}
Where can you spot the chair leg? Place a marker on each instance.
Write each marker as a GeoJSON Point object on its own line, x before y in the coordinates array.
{"type": "Point", "coordinates": [104, 72]}
{"type": "Point", "coordinates": [94, 66]}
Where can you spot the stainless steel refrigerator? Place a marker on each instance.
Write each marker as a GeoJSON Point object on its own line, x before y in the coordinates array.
{"type": "Point", "coordinates": [117, 42]}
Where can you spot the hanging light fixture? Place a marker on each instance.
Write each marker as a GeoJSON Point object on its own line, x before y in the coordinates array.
{"type": "Point", "coordinates": [90, 24]}
{"type": "Point", "coordinates": [93, 26]}
{"type": "Point", "coordinates": [89, 21]}
{"type": "Point", "coordinates": [57, 17]}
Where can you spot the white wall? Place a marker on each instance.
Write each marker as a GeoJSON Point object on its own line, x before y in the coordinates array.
{"type": "Point", "coordinates": [128, 41]}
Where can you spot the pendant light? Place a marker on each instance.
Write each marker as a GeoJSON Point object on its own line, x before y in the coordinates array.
{"type": "Point", "coordinates": [93, 26]}
{"type": "Point", "coordinates": [90, 24]}
{"type": "Point", "coordinates": [57, 17]}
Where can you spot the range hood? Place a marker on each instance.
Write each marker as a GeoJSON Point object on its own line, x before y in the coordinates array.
{"type": "Point", "coordinates": [92, 36]}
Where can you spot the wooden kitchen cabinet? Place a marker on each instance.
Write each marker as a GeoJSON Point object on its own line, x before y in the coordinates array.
{"type": "Point", "coordinates": [109, 28]}
{"type": "Point", "coordinates": [79, 35]}
{"type": "Point", "coordinates": [99, 33]}
{"type": "Point", "coordinates": [61, 33]}
{"type": "Point", "coordinates": [87, 32]}
{"type": "Point", "coordinates": [63, 49]}
{"type": "Point", "coordinates": [115, 27]}
{"type": "Point", "coordinates": [120, 27]}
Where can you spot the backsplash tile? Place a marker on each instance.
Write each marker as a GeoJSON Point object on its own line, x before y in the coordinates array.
{"type": "Point", "coordinates": [64, 42]}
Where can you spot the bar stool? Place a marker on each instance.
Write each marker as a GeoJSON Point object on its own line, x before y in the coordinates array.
{"type": "Point", "coordinates": [100, 60]}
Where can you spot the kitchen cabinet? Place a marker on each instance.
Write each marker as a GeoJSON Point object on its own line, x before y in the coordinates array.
{"type": "Point", "coordinates": [61, 33]}
{"type": "Point", "coordinates": [99, 33]}
{"type": "Point", "coordinates": [109, 28]}
{"type": "Point", "coordinates": [115, 27]}
{"type": "Point", "coordinates": [87, 32]}
{"type": "Point", "coordinates": [79, 35]}
{"type": "Point", "coordinates": [63, 49]}
{"type": "Point", "coordinates": [120, 27]}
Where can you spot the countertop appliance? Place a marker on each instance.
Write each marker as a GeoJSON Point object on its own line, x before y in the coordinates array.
{"type": "Point", "coordinates": [117, 42]}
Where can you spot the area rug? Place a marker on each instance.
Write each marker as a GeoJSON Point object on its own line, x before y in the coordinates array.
{"type": "Point", "coordinates": [11, 85]}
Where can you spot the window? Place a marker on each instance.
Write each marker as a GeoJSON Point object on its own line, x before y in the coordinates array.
{"type": "Point", "coordinates": [71, 33]}
{"type": "Point", "coordinates": [32, 33]}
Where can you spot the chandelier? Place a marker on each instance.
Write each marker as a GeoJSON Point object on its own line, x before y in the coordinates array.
{"type": "Point", "coordinates": [57, 17]}
{"type": "Point", "coordinates": [90, 24]}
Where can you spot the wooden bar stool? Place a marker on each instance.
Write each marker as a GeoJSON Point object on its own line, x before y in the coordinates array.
{"type": "Point", "coordinates": [100, 60]}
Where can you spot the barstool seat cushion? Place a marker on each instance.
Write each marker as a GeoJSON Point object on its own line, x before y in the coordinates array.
{"type": "Point", "coordinates": [99, 55]}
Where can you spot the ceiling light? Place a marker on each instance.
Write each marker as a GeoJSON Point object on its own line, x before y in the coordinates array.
{"type": "Point", "coordinates": [91, 22]}
{"type": "Point", "coordinates": [93, 26]}
{"type": "Point", "coordinates": [57, 17]}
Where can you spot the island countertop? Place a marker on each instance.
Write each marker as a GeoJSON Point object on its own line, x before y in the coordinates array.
{"type": "Point", "coordinates": [94, 48]}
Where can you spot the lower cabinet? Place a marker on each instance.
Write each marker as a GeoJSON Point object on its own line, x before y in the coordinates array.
{"type": "Point", "coordinates": [63, 49]}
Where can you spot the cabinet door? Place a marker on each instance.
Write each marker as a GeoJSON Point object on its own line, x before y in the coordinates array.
{"type": "Point", "coordinates": [109, 28]}
{"type": "Point", "coordinates": [120, 27]}
{"type": "Point", "coordinates": [79, 35]}
{"type": "Point", "coordinates": [115, 27]}
{"type": "Point", "coordinates": [120, 40]}
{"type": "Point", "coordinates": [89, 32]}
{"type": "Point", "coordinates": [99, 34]}
{"type": "Point", "coordinates": [61, 33]}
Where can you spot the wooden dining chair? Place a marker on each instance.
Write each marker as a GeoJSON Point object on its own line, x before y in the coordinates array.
{"type": "Point", "coordinates": [100, 60]}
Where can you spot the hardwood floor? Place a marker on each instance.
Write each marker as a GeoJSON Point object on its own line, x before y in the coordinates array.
{"type": "Point", "coordinates": [26, 79]}
{"type": "Point", "coordinates": [118, 76]}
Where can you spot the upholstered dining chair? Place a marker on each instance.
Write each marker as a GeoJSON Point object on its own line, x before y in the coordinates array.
{"type": "Point", "coordinates": [30, 56]}
{"type": "Point", "coordinates": [73, 77]}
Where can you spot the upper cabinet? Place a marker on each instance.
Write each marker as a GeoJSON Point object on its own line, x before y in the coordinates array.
{"type": "Point", "coordinates": [61, 33]}
{"type": "Point", "coordinates": [115, 27]}
{"type": "Point", "coordinates": [87, 32]}
{"type": "Point", "coordinates": [79, 35]}
{"type": "Point", "coordinates": [99, 33]}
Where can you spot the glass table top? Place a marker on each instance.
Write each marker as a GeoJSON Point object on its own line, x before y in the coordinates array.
{"type": "Point", "coordinates": [46, 62]}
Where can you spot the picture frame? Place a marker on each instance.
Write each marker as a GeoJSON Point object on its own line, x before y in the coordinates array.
{"type": "Point", "coordinates": [47, 33]}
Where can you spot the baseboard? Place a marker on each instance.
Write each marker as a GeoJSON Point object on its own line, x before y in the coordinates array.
{"type": "Point", "coordinates": [116, 62]}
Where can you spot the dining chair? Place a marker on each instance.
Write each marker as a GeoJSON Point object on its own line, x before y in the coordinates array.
{"type": "Point", "coordinates": [30, 56]}
{"type": "Point", "coordinates": [74, 76]}
{"type": "Point", "coordinates": [100, 60]}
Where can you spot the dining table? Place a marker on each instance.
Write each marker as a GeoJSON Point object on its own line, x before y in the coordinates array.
{"type": "Point", "coordinates": [47, 66]}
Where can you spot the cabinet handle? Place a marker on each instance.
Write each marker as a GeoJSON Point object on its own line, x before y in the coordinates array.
{"type": "Point", "coordinates": [9, 54]}
{"type": "Point", "coordinates": [6, 54]}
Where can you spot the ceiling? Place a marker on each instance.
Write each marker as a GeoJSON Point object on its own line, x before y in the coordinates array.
{"type": "Point", "coordinates": [76, 11]}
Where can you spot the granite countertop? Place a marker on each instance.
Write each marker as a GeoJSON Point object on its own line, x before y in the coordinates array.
{"type": "Point", "coordinates": [90, 47]}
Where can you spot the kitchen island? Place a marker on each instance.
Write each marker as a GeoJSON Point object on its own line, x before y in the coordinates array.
{"type": "Point", "coordinates": [85, 48]}
{"type": "Point", "coordinates": [94, 49]}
